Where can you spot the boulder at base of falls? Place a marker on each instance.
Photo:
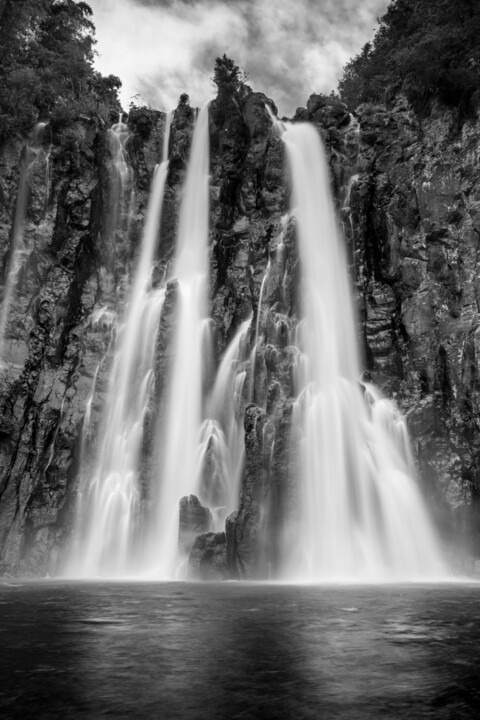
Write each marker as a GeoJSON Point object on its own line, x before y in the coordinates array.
{"type": "Point", "coordinates": [208, 559]}
{"type": "Point", "coordinates": [194, 520]}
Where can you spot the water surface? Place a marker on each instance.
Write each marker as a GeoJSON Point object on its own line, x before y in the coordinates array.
{"type": "Point", "coordinates": [211, 651]}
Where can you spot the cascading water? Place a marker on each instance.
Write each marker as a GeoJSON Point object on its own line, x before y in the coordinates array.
{"type": "Point", "coordinates": [117, 139]}
{"type": "Point", "coordinates": [181, 424]}
{"type": "Point", "coordinates": [121, 195]}
{"type": "Point", "coordinates": [18, 249]}
{"type": "Point", "coordinates": [361, 515]}
{"type": "Point", "coordinates": [104, 319]}
{"type": "Point", "coordinates": [257, 330]}
{"type": "Point", "coordinates": [222, 445]}
{"type": "Point", "coordinates": [109, 506]}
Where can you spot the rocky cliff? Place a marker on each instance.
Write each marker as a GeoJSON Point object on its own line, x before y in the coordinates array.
{"type": "Point", "coordinates": [409, 199]}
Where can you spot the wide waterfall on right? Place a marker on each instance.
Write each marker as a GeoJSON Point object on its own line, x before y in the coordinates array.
{"type": "Point", "coordinates": [361, 515]}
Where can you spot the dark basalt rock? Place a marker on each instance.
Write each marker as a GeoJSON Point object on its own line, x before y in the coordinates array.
{"type": "Point", "coordinates": [208, 558]}
{"type": "Point", "coordinates": [194, 519]}
{"type": "Point", "coordinates": [244, 530]}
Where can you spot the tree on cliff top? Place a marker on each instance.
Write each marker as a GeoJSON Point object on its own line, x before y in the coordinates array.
{"type": "Point", "coordinates": [47, 49]}
{"type": "Point", "coordinates": [227, 76]}
{"type": "Point", "coordinates": [428, 49]}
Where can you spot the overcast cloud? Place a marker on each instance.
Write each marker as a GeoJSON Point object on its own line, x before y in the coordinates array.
{"type": "Point", "coordinates": [288, 48]}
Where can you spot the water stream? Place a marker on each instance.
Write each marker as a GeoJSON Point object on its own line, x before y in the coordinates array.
{"type": "Point", "coordinates": [222, 447]}
{"type": "Point", "coordinates": [181, 423]}
{"type": "Point", "coordinates": [121, 190]}
{"type": "Point", "coordinates": [109, 535]}
{"type": "Point", "coordinates": [361, 513]}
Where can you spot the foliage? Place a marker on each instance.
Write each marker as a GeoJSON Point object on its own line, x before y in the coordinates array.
{"type": "Point", "coordinates": [47, 50]}
{"type": "Point", "coordinates": [429, 49]}
{"type": "Point", "coordinates": [227, 76]}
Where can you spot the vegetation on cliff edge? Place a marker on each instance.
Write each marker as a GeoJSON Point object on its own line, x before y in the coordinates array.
{"type": "Point", "coordinates": [47, 51]}
{"type": "Point", "coordinates": [428, 49]}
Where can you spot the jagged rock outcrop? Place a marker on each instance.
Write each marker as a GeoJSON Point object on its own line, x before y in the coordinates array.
{"type": "Point", "coordinates": [194, 519]}
{"type": "Point", "coordinates": [208, 558]}
{"type": "Point", "coordinates": [56, 288]}
{"type": "Point", "coordinates": [247, 529]}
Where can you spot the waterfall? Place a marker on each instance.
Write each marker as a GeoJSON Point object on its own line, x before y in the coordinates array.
{"type": "Point", "coordinates": [182, 419]}
{"type": "Point", "coordinates": [117, 139]}
{"type": "Point", "coordinates": [361, 514]}
{"type": "Point", "coordinates": [121, 194]}
{"type": "Point", "coordinates": [18, 249]}
{"type": "Point", "coordinates": [109, 513]}
{"type": "Point", "coordinates": [257, 331]}
{"type": "Point", "coordinates": [356, 512]}
{"type": "Point", "coordinates": [222, 444]}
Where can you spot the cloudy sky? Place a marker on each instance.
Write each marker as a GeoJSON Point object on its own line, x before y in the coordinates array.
{"type": "Point", "coordinates": [288, 48]}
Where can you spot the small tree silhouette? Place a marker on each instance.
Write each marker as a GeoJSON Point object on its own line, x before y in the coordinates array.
{"type": "Point", "coordinates": [227, 76]}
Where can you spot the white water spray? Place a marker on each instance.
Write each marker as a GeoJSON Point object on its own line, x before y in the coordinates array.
{"type": "Point", "coordinates": [122, 194]}
{"type": "Point", "coordinates": [109, 543]}
{"type": "Point", "coordinates": [181, 424]}
{"type": "Point", "coordinates": [117, 140]}
{"type": "Point", "coordinates": [361, 513]}
{"type": "Point", "coordinates": [222, 448]}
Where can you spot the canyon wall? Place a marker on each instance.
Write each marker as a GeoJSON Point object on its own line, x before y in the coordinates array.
{"type": "Point", "coordinates": [408, 197]}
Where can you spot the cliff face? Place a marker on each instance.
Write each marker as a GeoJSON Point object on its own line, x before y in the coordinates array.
{"type": "Point", "coordinates": [70, 285]}
{"type": "Point", "coordinates": [408, 196]}
{"type": "Point", "coordinates": [55, 291]}
{"type": "Point", "coordinates": [415, 228]}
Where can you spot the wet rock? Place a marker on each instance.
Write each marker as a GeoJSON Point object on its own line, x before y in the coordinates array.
{"type": "Point", "coordinates": [74, 270]}
{"type": "Point", "coordinates": [244, 530]}
{"type": "Point", "coordinates": [256, 115]}
{"type": "Point", "coordinates": [241, 226]}
{"type": "Point", "coordinates": [194, 519]}
{"type": "Point", "coordinates": [208, 557]}
{"type": "Point", "coordinates": [416, 258]}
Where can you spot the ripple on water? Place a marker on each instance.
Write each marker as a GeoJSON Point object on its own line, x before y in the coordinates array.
{"type": "Point", "coordinates": [197, 652]}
